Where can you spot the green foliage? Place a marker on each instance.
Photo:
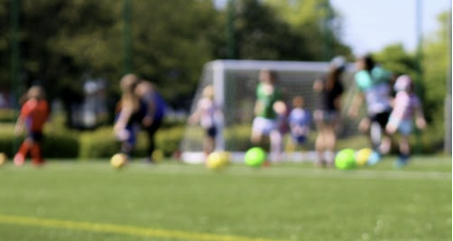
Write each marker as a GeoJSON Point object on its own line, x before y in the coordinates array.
{"type": "Point", "coordinates": [428, 141]}
{"type": "Point", "coordinates": [435, 66]}
{"type": "Point", "coordinates": [7, 115]}
{"type": "Point", "coordinates": [238, 137]}
{"type": "Point", "coordinates": [169, 47]}
{"type": "Point", "coordinates": [101, 143]}
{"type": "Point", "coordinates": [85, 38]}
{"type": "Point", "coordinates": [396, 59]}
{"type": "Point", "coordinates": [98, 143]}
{"type": "Point", "coordinates": [61, 145]}
{"type": "Point", "coordinates": [168, 140]}
{"type": "Point", "coordinates": [317, 25]}
{"type": "Point", "coordinates": [7, 139]}
{"type": "Point", "coordinates": [258, 30]}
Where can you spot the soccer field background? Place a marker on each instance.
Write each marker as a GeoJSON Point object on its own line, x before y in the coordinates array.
{"type": "Point", "coordinates": [89, 200]}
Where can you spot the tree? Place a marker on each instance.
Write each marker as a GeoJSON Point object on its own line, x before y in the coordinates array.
{"type": "Point", "coordinates": [171, 42]}
{"type": "Point", "coordinates": [314, 20]}
{"type": "Point", "coordinates": [65, 42]}
{"type": "Point", "coordinates": [396, 59]}
{"type": "Point", "coordinates": [261, 34]}
{"type": "Point", "coordinates": [435, 64]}
{"type": "Point", "coordinates": [261, 31]}
{"type": "Point", "coordinates": [4, 44]}
{"type": "Point", "coordinates": [84, 38]}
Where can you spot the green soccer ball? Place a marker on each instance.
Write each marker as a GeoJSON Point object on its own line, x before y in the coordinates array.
{"type": "Point", "coordinates": [255, 157]}
{"type": "Point", "coordinates": [345, 159]}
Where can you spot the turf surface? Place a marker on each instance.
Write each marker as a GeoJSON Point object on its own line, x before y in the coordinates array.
{"type": "Point", "coordinates": [89, 200]}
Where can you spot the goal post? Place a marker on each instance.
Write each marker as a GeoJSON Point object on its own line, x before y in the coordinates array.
{"type": "Point", "coordinates": [235, 82]}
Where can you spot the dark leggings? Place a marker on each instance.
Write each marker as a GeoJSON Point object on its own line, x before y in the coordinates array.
{"type": "Point", "coordinates": [151, 132]}
{"type": "Point", "coordinates": [381, 119]}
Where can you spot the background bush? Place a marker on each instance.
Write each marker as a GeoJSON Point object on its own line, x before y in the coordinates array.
{"type": "Point", "coordinates": [101, 143]}
{"type": "Point", "coordinates": [168, 140]}
{"type": "Point", "coordinates": [61, 145]}
{"type": "Point", "coordinates": [98, 144]}
{"type": "Point", "coordinates": [7, 116]}
{"type": "Point", "coordinates": [7, 139]}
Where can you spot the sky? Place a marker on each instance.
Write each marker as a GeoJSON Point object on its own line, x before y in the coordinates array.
{"type": "Point", "coordinates": [370, 25]}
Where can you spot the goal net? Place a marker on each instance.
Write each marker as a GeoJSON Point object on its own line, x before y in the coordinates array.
{"type": "Point", "coordinates": [235, 82]}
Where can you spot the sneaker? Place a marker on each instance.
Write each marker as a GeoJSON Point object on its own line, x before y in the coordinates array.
{"type": "Point", "coordinates": [19, 160]}
{"type": "Point", "coordinates": [401, 161]}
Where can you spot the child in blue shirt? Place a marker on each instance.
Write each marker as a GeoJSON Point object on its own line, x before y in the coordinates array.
{"type": "Point", "coordinates": [299, 121]}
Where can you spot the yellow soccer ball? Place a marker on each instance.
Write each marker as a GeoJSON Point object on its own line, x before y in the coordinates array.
{"type": "Point", "coordinates": [226, 156]}
{"type": "Point", "coordinates": [3, 158]}
{"type": "Point", "coordinates": [362, 156]}
{"type": "Point", "coordinates": [217, 160]}
{"type": "Point", "coordinates": [118, 160]}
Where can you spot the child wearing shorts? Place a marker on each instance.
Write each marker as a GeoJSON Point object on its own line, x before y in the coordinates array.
{"type": "Point", "coordinates": [407, 107]}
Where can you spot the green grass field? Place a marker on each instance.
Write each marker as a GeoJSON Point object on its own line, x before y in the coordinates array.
{"type": "Point", "coordinates": [89, 200]}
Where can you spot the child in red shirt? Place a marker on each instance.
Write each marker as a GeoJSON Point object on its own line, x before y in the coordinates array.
{"type": "Point", "coordinates": [33, 115]}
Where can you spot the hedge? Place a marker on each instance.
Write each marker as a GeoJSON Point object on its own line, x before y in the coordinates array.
{"type": "Point", "coordinates": [8, 115]}
{"type": "Point", "coordinates": [62, 145]}
{"type": "Point", "coordinates": [100, 143]}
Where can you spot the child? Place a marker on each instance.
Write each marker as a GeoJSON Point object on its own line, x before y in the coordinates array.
{"type": "Point", "coordinates": [33, 115]}
{"type": "Point", "coordinates": [327, 113]}
{"type": "Point", "coordinates": [268, 107]}
{"type": "Point", "coordinates": [373, 83]}
{"type": "Point", "coordinates": [126, 126]}
{"type": "Point", "coordinates": [152, 112]}
{"type": "Point", "coordinates": [407, 106]}
{"type": "Point", "coordinates": [299, 121]}
{"type": "Point", "coordinates": [208, 114]}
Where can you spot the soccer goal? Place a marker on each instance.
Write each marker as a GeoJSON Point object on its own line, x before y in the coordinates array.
{"type": "Point", "coordinates": [235, 82]}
